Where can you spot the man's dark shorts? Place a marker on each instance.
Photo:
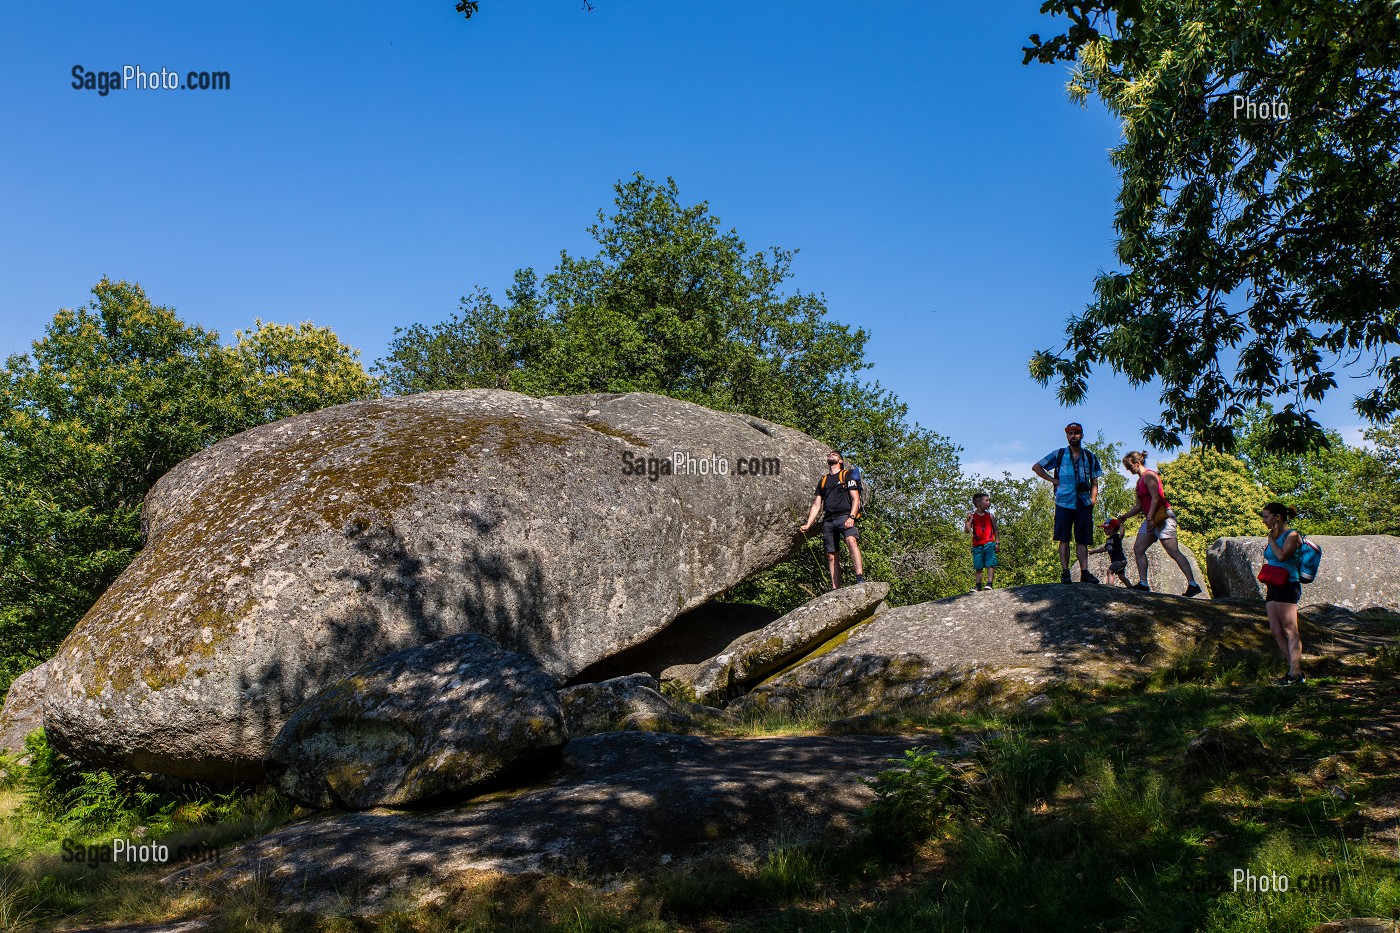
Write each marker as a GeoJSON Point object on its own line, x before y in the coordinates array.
{"type": "Point", "coordinates": [834, 528]}
{"type": "Point", "coordinates": [1080, 520]}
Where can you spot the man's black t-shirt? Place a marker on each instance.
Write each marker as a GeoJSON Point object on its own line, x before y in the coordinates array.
{"type": "Point", "coordinates": [836, 495]}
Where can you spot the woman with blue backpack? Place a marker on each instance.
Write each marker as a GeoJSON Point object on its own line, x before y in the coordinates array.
{"type": "Point", "coordinates": [1283, 586]}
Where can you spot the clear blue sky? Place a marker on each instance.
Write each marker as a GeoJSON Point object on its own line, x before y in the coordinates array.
{"type": "Point", "coordinates": [373, 162]}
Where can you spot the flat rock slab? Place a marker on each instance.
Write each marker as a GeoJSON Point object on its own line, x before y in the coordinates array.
{"type": "Point", "coordinates": [1358, 571]}
{"type": "Point", "coordinates": [1026, 633]}
{"type": "Point", "coordinates": [623, 802]}
{"type": "Point", "coordinates": [692, 638]}
{"type": "Point", "coordinates": [755, 655]}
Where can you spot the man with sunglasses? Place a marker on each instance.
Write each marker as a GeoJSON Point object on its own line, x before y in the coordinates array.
{"type": "Point", "coordinates": [1074, 473]}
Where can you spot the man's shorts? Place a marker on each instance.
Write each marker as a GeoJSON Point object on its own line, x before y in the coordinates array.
{"type": "Point", "coordinates": [1163, 532]}
{"type": "Point", "coordinates": [984, 556]}
{"type": "Point", "coordinates": [833, 529]}
{"type": "Point", "coordinates": [1080, 520]}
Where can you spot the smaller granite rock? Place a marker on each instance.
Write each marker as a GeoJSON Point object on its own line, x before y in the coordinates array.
{"type": "Point", "coordinates": [24, 708]}
{"type": "Point", "coordinates": [751, 657]}
{"type": "Point", "coordinates": [1227, 748]}
{"type": "Point", "coordinates": [602, 707]}
{"type": "Point", "coordinates": [1358, 571]}
{"type": "Point", "coordinates": [1356, 925]}
{"type": "Point", "coordinates": [419, 724]}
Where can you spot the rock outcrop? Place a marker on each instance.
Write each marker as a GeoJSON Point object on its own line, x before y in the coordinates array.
{"type": "Point", "coordinates": [24, 708]}
{"type": "Point", "coordinates": [751, 657]}
{"type": "Point", "coordinates": [417, 725]}
{"type": "Point", "coordinates": [622, 803]}
{"type": "Point", "coordinates": [1162, 572]}
{"type": "Point", "coordinates": [283, 558]}
{"type": "Point", "coordinates": [1024, 634]}
{"type": "Point", "coordinates": [1358, 572]}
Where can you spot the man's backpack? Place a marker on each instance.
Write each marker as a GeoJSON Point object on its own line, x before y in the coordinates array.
{"type": "Point", "coordinates": [1309, 560]}
{"type": "Point", "coordinates": [852, 472]}
{"type": "Point", "coordinates": [867, 489]}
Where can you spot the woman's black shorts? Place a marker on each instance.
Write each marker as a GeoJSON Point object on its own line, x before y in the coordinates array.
{"type": "Point", "coordinates": [1287, 593]}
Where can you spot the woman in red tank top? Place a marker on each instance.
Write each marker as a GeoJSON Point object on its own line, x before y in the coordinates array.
{"type": "Point", "coordinates": [1153, 504]}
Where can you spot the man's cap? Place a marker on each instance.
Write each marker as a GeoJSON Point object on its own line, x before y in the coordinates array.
{"type": "Point", "coordinates": [1075, 424]}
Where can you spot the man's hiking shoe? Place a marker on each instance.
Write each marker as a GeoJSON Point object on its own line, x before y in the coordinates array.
{"type": "Point", "coordinates": [1192, 590]}
{"type": "Point", "coordinates": [1087, 577]}
{"type": "Point", "coordinates": [1064, 577]}
{"type": "Point", "coordinates": [860, 578]}
{"type": "Point", "coordinates": [1287, 681]}
{"type": "Point", "coordinates": [1141, 586]}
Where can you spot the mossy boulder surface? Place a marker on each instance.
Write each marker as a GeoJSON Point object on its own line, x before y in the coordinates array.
{"type": "Point", "coordinates": [419, 724]}
{"type": "Point", "coordinates": [281, 559]}
{"type": "Point", "coordinates": [1358, 572]}
{"type": "Point", "coordinates": [751, 657]}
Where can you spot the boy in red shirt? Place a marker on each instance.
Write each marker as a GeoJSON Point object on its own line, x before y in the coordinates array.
{"type": "Point", "coordinates": [982, 525]}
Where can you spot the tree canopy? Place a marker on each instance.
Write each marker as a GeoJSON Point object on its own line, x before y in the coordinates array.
{"type": "Point", "coordinates": [1259, 211]}
{"type": "Point", "coordinates": [111, 397]}
{"type": "Point", "coordinates": [674, 303]}
{"type": "Point", "coordinates": [1340, 490]}
{"type": "Point", "coordinates": [1214, 495]}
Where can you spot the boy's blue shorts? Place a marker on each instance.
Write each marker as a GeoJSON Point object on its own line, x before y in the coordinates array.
{"type": "Point", "coordinates": [984, 556]}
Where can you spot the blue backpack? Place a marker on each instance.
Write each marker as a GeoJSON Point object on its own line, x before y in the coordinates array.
{"type": "Point", "coordinates": [1309, 559]}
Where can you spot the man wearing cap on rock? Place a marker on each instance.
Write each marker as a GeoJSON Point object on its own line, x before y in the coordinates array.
{"type": "Point", "coordinates": [1074, 473]}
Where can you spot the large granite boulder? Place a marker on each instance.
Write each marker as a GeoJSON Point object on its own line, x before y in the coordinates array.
{"type": "Point", "coordinates": [1358, 572]}
{"type": "Point", "coordinates": [1004, 641]}
{"type": "Point", "coordinates": [1162, 572]}
{"type": "Point", "coordinates": [283, 558]}
{"type": "Point", "coordinates": [24, 708]}
{"type": "Point", "coordinates": [417, 725]}
{"type": "Point", "coordinates": [623, 804]}
{"type": "Point", "coordinates": [751, 657]}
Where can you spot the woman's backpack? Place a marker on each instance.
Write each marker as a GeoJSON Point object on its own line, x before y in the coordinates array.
{"type": "Point", "coordinates": [1309, 560]}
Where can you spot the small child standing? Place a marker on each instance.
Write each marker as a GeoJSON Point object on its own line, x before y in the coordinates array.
{"type": "Point", "coordinates": [1118, 561]}
{"type": "Point", "coordinates": [982, 525]}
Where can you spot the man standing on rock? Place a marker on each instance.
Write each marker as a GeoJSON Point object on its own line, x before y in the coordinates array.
{"type": "Point", "coordinates": [838, 493]}
{"type": "Point", "coordinates": [1074, 473]}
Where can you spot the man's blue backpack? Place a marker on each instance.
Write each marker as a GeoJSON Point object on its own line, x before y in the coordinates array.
{"type": "Point", "coordinates": [1309, 560]}
{"type": "Point", "coordinates": [867, 488]}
